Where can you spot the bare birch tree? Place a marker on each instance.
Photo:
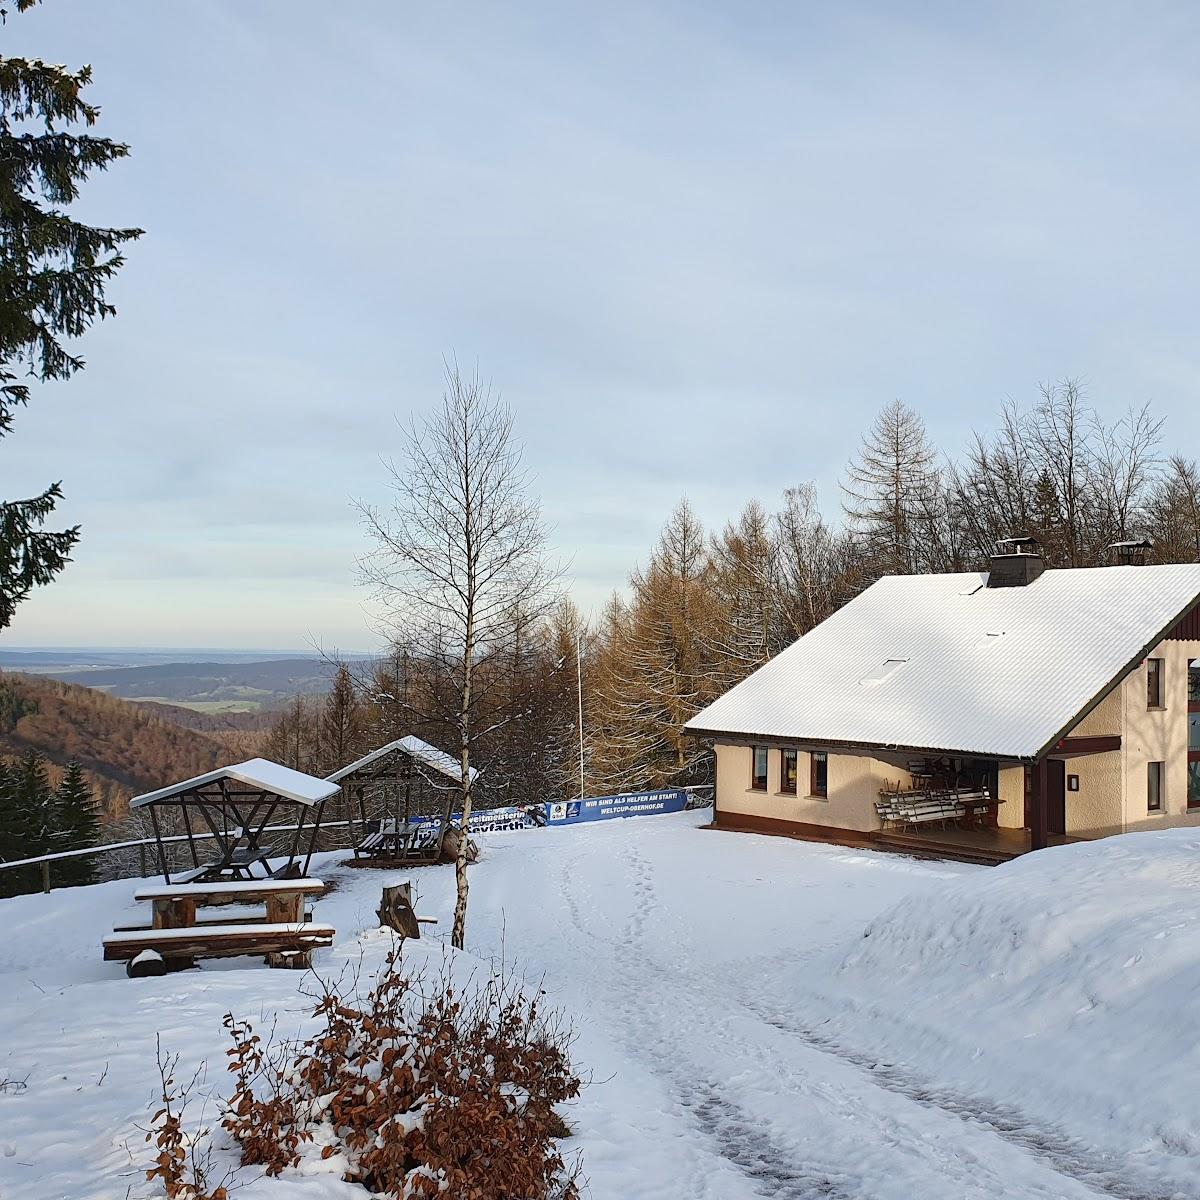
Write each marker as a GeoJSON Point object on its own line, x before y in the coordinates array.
{"type": "Point", "coordinates": [460, 562]}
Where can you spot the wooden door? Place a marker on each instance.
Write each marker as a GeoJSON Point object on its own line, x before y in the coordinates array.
{"type": "Point", "coordinates": [1056, 799]}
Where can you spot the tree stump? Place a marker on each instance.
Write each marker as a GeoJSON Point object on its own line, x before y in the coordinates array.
{"type": "Point", "coordinates": [396, 910]}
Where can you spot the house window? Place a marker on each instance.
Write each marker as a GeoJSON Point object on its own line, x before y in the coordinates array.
{"type": "Point", "coordinates": [1154, 787]}
{"type": "Point", "coordinates": [818, 771]}
{"type": "Point", "coordinates": [758, 777]}
{"type": "Point", "coordinates": [787, 771]}
{"type": "Point", "coordinates": [1154, 683]}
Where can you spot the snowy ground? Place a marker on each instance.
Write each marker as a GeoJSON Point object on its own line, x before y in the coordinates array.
{"type": "Point", "coordinates": [761, 1017]}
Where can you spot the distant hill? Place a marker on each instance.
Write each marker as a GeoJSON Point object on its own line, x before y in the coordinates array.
{"type": "Point", "coordinates": [207, 686]}
{"type": "Point", "coordinates": [242, 733]}
{"type": "Point", "coordinates": [125, 748]}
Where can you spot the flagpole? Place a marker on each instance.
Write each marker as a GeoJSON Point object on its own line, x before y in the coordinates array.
{"type": "Point", "coordinates": [579, 683]}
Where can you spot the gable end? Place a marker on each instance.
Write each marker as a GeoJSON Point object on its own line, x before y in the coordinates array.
{"type": "Point", "coordinates": [1188, 629]}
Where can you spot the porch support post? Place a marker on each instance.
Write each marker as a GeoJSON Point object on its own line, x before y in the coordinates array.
{"type": "Point", "coordinates": [1039, 824]}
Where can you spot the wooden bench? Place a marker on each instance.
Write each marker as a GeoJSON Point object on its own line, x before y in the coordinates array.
{"type": "Point", "coordinates": [919, 808]}
{"type": "Point", "coordinates": [283, 934]}
{"type": "Point", "coordinates": [283, 944]}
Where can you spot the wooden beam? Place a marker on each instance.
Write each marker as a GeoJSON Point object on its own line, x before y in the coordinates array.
{"type": "Point", "coordinates": [1039, 824]}
{"type": "Point", "coordinates": [1099, 744]}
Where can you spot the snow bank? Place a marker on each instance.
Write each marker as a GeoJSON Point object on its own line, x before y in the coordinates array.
{"type": "Point", "coordinates": [1066, 983]}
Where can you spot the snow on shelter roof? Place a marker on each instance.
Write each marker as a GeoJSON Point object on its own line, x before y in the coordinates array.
{"type": "Point", "coordinates": [423, 752]}
{"type": "Point", "coordinates": [943, 662]}
{"type": "Point", "coordinates": [259, 774]}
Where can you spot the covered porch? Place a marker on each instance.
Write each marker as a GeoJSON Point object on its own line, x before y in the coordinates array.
{"type": "Point", "coordinates": [994, 810]}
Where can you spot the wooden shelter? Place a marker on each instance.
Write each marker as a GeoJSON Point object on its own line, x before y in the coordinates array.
{"type": "Point", "coordinates": [236, 807]}
{"type": "Point", "coordinates": [404, 795]}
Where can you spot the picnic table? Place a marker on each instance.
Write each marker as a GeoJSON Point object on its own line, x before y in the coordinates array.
{"type": "Point", "coordinates": [388, 838]}
{"type": "Point", "coordinates": [283, 933]}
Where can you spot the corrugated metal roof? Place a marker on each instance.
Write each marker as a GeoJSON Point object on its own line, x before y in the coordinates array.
{"type": "Point", "coordinates": [940, 662]}
{"type": "Point", "coordinates": [414, 747]}
{"type": "Point", "coordinates": [258, 773]}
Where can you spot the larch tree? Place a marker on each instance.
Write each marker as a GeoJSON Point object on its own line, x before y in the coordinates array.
{"type": "Point", "coordinates": [891, 492]}
{"type": "Point", "coordinates": [460, 566]}
{"type": "Point", "coordinates": [747, 626]}
{"type": "Point", "coordinates": [341, 723]}
{"type": "Point", "coordinates": [293, 738]}
{"type": "Point", "coordinates": [54, 272]}
{"type": "Point", "coordinates": [652, 672]}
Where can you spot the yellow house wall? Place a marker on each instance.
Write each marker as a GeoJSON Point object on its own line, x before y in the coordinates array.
{"type": "Point", "coordinates": [1011, 813]}
{"type": "Point", "coordinates": [853, 786]}
{"type": "Point", "coordinates": [1158, 735]}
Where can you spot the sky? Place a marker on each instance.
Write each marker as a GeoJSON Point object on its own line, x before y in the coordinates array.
{"type": "Point", "coordinates": [696, 247]}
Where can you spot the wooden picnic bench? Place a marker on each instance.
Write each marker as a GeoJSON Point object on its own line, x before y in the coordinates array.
{"type": "Point", "coordinates": [420, 841]}
{"type": "Point", "coordinates": [283, 934]}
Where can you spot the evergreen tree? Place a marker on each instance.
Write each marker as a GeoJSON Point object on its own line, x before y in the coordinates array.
{"type": "Point", "coordinates": [27, 821]}
{"type": "Point", "coordinates": [76, 826]}
{"type": "Point", "coordinates": [53, 275]}
{"type": "Point", "coordinates": [8, 802]}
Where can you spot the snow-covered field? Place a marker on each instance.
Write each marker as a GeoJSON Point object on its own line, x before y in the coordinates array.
{"type": "Point", "coordinates": [760, 1017]}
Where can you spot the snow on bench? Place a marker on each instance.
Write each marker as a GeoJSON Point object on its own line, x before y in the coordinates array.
{"type": "Point", "coordinates": [239, 888]}
{"type": "Point", "coordinates": [305, 929]}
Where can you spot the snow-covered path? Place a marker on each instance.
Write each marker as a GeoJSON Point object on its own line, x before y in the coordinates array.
{"type": "Point", "coordinates": [698, 969]}
{"type": "Point", "coordinates": [669, 951]}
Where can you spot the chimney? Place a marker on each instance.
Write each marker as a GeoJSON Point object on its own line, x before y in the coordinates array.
{"type": "Point", "coordinates": [1017, 562]}
{"type": "Point", "coordinates": [1129, 554]}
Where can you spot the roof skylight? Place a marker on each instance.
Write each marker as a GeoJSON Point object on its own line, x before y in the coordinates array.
{"type": "Point", "coordinates": [877, 676]}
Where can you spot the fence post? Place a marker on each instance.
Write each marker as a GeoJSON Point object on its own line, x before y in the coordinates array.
{"type": "Point", "coordinates": [45, 877]}
{"type": "Point", "coordinates": [141, 860]}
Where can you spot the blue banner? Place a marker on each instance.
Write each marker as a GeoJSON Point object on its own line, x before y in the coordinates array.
{"type": "Point", "coordinates": [604, 808]}
{"type": "Point", "coordinates": [493, 820]}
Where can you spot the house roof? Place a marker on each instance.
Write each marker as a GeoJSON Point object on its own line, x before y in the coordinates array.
{"type": "Point", "coordinates": [259, 774]}
{"type": "Point", "coordinates": [415, 748]}
{"type": "Point", "coordinates": [945, 663]}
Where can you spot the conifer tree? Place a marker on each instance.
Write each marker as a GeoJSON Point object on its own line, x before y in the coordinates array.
{"type": "Point", "coordinates": [653, 673]}
{"type": "Point", "coordinates": [53, 276]}
{"type": "Point", "coordinates": [27, 820]}
{"type": "Point", "coordinates": [341, 725]}
{"type": "Point", "coordinates": [76, 826]}
{"type": "Point", "coordinates": [892, 491]}
{"type": "Point", "coordinates": [747, 625]}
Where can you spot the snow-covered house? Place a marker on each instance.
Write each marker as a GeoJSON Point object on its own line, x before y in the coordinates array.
{"type": "Point", "coordinates": [1035, 703]}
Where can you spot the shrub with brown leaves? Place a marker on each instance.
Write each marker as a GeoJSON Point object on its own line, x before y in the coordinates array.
{"type": "Point", "coordinates": [422, 1091]}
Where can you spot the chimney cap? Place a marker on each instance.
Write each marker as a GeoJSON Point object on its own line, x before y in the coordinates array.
{"type": "Point", "coordinates": [1130, 553]}
{"type": "Point", "coordinates": [1019, 543]}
